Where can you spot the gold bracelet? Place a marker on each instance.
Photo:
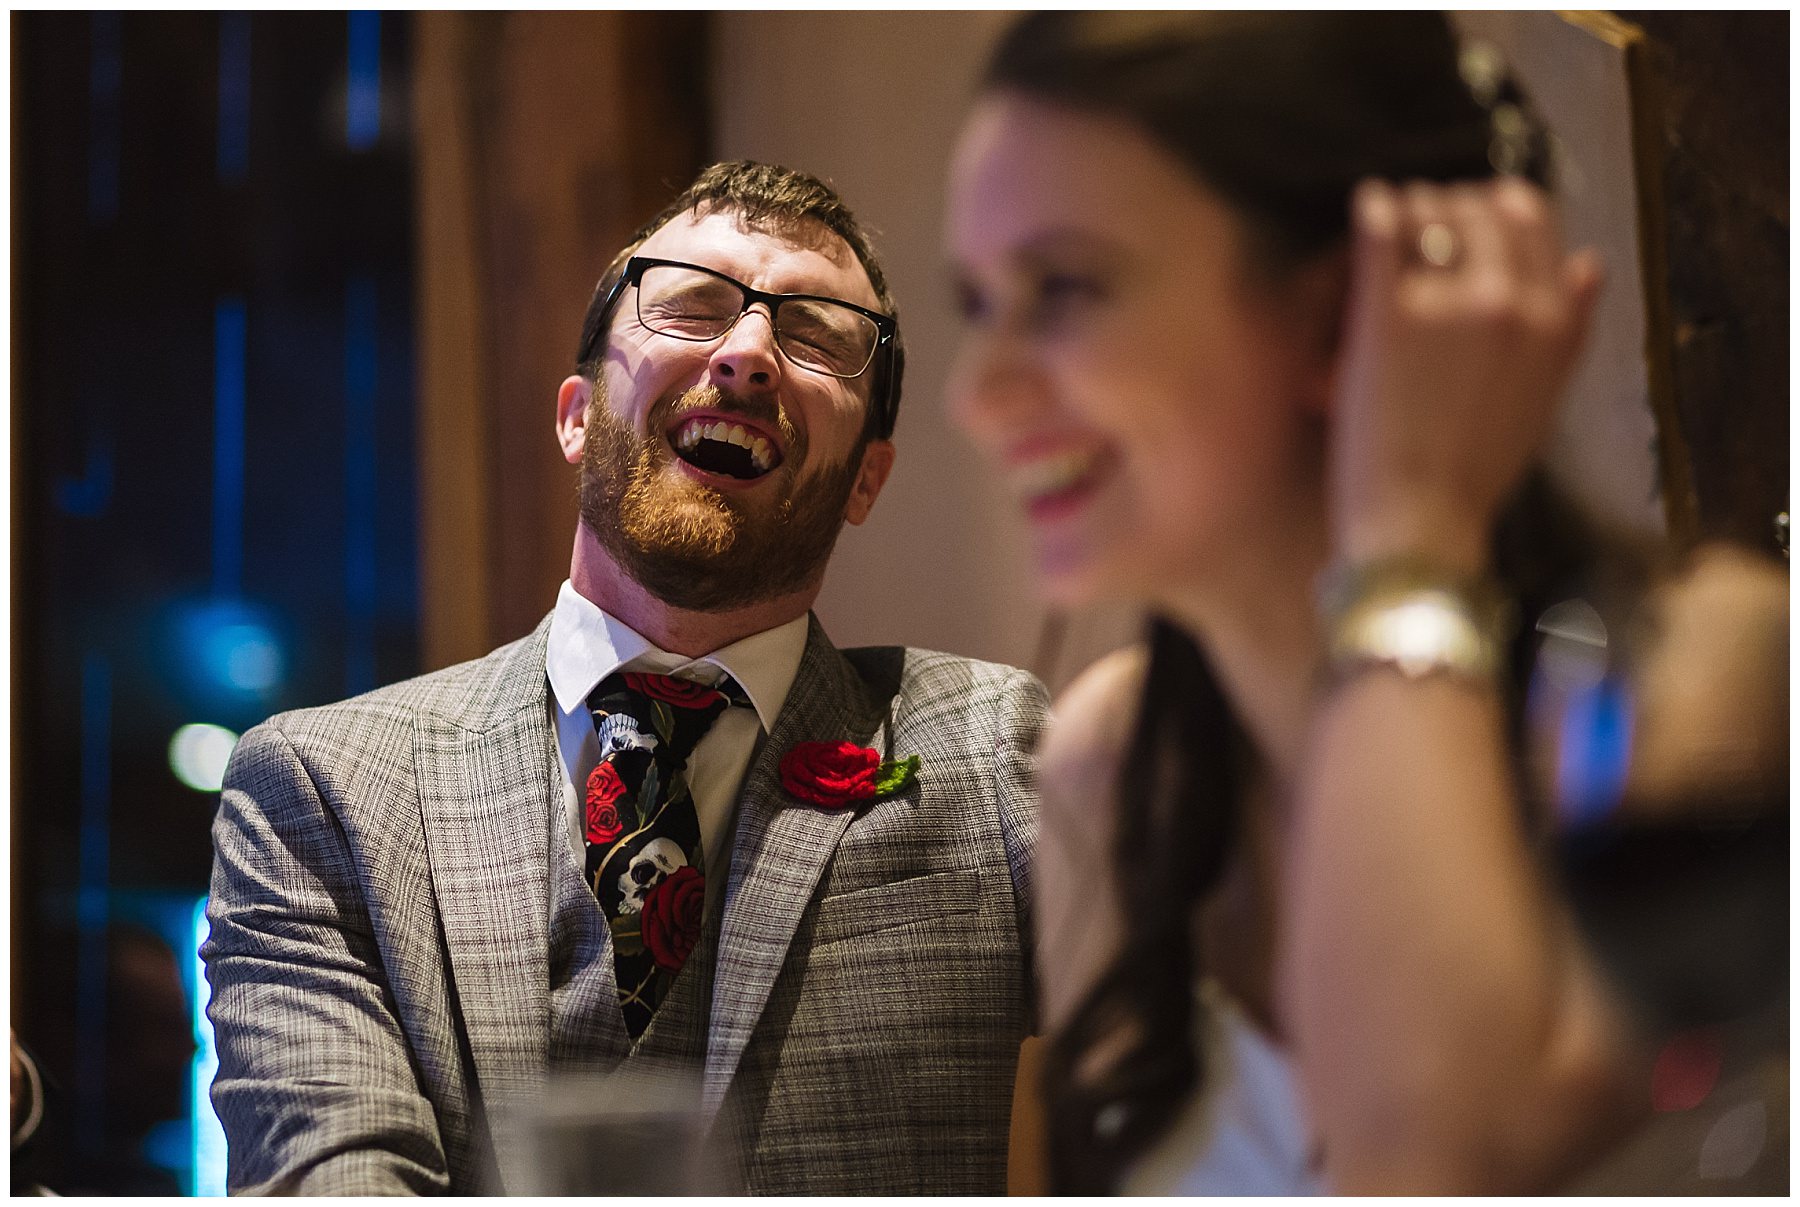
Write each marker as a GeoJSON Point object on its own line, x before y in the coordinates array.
{"type": "Point", "coordinates": [1414, 615]}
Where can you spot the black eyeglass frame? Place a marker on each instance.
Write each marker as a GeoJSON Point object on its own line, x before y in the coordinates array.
{"type": "Point", "coordinates": [885, 326]}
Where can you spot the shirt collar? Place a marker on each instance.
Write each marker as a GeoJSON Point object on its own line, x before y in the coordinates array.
{"type": "Point", "coordinates": [586, 645]}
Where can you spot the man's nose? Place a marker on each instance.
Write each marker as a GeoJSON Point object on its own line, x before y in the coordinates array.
{"type": "Point", "coordinates": [746, 359]}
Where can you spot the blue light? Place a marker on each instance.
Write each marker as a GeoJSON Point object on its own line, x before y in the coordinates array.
{"type": "Point", "coordinates": [231, 645]}
{"type": "Point", "coordinates": [243, 656]}
{"type": "Point", "coordinates": [208, 1136]}
{"type": "Point", "coordinates": [170, 1144]}
{"type": "Point", "coordinates": [89, 495]}
{"type": "Point", "coordinates": [362, 99]}
{"type": "Point", "coordinates": [249, 657]}
{"type": "Point", "coordinates": [93, 904]}
{"type": "Point", "coordinates": [360, 315]}
{"type": "Point", "coordinates": [1594, 754]}
{"type": "Point", "coordinates": [230, 330]}
{"type": "Point", "coordinates": [234, 97]}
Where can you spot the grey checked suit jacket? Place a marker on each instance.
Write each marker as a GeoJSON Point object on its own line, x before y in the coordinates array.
{"type": "Point", "coordinates": [382, 935]}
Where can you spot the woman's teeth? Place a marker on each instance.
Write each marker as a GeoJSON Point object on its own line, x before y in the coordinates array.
{"type": "Point", "coordinates": [1050, 475]}
{"type": "Point", "coordinates": [689, 435]}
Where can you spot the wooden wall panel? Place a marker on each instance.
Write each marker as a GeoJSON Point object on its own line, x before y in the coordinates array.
{"type": "Point", "coordinates": [1716, 84]}
{"type": "Point", "coordinates": [544, 140]}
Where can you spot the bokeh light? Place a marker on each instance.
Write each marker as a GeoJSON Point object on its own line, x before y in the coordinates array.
{"type": "Point", "coordinates": [198, 754]}
{"type": "Point", "coordinates": [1686, 1071]}
{"type": "Point", "coordinates": [1594, 751]}
{"type": "Point", "coordinates": [229, 647]}
{"type": "Point", "coordinates": [208, 1133]}
{"type": "Point", "coordinates": [247, 656]}
{"type": "Point", "coordinates": [1573, 655]}
{"type": "Point", "coordinates": [1735, 1142]}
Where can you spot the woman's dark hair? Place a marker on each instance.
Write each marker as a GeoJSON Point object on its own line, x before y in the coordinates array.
{"type": "Point", "coordinates": [1281, 114]}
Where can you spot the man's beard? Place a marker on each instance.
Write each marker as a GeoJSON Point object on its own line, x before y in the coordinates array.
{"type": "Point", "coordinates": [694, 547]}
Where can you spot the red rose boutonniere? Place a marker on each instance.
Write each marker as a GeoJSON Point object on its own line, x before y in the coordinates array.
{"type": "Point", "coordinates": [835, 774]}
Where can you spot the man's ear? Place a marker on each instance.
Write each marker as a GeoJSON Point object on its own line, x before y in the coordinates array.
{"type": "Point", "coordinates": [572, 400]}
{"type": "Point", "coordinates": [877, 464]}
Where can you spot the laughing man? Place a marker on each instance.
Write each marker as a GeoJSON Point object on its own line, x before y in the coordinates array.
{"type": "Point", "coordinates": [673, 824]}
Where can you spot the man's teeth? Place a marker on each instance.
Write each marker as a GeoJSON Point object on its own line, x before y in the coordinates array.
{"type": "Point", "coordinates": [1050, 475]}
{"type": "Point", "coordinates": [762, 454]}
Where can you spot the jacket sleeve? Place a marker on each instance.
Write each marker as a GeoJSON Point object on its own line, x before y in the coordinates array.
{"type": "Point", "coordinates": [316, 1088]}
{"type": "Point", "coordinates": [1023, 710]}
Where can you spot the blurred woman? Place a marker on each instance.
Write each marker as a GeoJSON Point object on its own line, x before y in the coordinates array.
{"type": "Point", "coordinates": [1267, 318]}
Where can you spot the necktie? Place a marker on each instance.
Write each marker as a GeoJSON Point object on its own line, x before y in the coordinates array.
{"type": "Point", "coordinates": [644, 862]}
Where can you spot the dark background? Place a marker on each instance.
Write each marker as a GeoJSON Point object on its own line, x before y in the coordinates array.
{"type": "Point", "coordinates": [213, 490]}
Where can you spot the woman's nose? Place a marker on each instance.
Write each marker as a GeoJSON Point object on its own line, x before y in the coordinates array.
{"type": "Point", "coordinates": [993, 388]}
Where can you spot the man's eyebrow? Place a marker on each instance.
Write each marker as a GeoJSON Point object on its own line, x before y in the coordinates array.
{"type": "Point", "coordinates": [732, 275]}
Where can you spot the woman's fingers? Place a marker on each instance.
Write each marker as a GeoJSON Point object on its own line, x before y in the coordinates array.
{"type": "Point", "coordinates": [1377, 254]}
{"type": "Point", "coordinates": [1492, 251]}
{"type": "Point", "coordinates": [1530, 223]}
{"type": "Point", "coordinates": [1465, 316]}
{"type": "Point", "coordinates": [1583, 277]}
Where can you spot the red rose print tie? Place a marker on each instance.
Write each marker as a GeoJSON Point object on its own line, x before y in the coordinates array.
{"type": "Point", "coordinates": [644, 861]}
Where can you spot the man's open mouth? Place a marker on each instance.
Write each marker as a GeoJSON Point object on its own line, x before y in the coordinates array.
{"type": "Point", "coordinates": [724, 447]}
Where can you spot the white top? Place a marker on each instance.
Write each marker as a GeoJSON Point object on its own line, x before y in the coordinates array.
{"type": "Point", "coordinates": [1245, 1132]}
{"type": "Point", "coordinates": [587, 645]}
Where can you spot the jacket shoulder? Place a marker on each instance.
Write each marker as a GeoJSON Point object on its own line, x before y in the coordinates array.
{"type": "Point", "coordinates": [469, 695]}
{"type": "Point", "coordinates": [933, 689]}
{"type": "Point", "coordinates": [914, 671]}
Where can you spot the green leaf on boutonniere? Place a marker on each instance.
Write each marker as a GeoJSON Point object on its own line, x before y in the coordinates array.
{"type": "Point", "coordinates": [891, 777]}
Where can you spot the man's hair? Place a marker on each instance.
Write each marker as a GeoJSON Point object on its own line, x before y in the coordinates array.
{"type": "Point", "coordinates": [780, 201]}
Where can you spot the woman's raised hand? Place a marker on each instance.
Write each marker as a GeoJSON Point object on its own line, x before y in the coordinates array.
{"type": "Point", "coordinates": [1465, 318]}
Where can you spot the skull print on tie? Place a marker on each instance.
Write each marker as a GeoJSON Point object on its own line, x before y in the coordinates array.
{"type": "Point", "coordinates": [644, 862]}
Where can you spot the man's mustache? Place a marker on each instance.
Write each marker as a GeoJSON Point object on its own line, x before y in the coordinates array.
{"type": "Point", "coordinates": [759, 409]}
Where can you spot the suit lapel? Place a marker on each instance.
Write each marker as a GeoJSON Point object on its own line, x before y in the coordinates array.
{"type": "Point", "coordinates": [489, 782]}
{"type": "Point", "coordinates": [780, 851]}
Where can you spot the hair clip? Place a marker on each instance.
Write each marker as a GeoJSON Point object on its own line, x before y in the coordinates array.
{"type": "Point", "coordinates": [1483, 71]}
{"type": "Point", "coordinates": [1512, 147]}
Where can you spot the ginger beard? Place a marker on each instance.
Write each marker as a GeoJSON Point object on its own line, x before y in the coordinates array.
{"type": "Point", "coordinates": [695, 547]}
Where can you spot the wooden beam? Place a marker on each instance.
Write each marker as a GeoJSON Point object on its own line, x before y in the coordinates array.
{"type": "Point", "coordinates": [544, 140]}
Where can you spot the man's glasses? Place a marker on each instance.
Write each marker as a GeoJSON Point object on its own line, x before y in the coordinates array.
{"type": "Point", "coordinates": [686, 301]}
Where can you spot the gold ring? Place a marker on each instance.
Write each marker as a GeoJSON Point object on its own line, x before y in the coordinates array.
{"type": "Point", "coordinates": [1439, 246]}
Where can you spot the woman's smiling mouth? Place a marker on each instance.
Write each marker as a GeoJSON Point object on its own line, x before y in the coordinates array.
{"type": "Point", "coordinates": [1050, 486]}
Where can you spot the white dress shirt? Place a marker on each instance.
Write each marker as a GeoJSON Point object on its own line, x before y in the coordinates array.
{"type": "Point", "coordinates": [587, 645]}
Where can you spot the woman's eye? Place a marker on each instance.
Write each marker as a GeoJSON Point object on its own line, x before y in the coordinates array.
{"type": "Point", "coordinates": [1063, 295]}
{"type": "Point", "coordinates": [970, 303]}
{"type": "Point", "coordinates": [1032, 303]}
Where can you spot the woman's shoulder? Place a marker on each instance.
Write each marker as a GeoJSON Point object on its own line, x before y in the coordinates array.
{"type": "Point", "coordinates": [1077, 915]}
{"type": "Point", "coordinates": [1712, 684]}
{"type": "Point", "coordinates": [1090, 726]}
